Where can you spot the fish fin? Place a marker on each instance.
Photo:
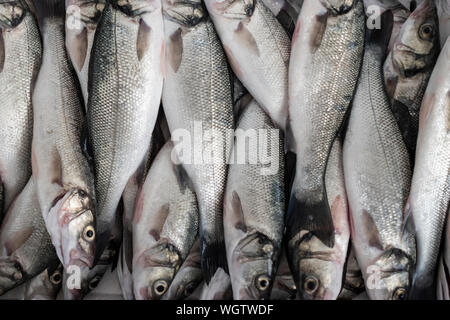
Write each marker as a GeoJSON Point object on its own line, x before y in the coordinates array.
{"type": "Point", "coordinates": [371, 231]}
{"type": "Point", "coordinates": [175, 50]}
{"type": "Point", "coordinates": [213, 257]}
{"type": "Point", "coordinates": [406, 125]}
{"type": "Point", "coordinates": [314, 217]}
{"type": "Point", "coordinates": [246, 39]}
{"type": "Point", "coordinates": [143, 39]}
{"type": "Point", "coordinates": [184, 181]}
{"type": "Point", "coordinates": [289, 138]}
{"type": "Point", "coordinates": [408, 225]}
{"type": "Point", "coordinates": [237, 214]}
{"type": "Point", "coordinates": [2, 51]}
{"type": "Point", "coordinates": [46, 9]}
{"type": "Point", "coordinates": [161, 217]}
{"type": "Point", "coordinates": [79, 48]}
{"type": "Point", "coordinates": [318, 31]}
{"type": "Point", "coordinates": [290, 162]}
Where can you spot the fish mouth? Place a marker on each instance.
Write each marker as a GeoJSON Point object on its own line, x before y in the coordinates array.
{"type": "Point", "coordinates": [11, 14]}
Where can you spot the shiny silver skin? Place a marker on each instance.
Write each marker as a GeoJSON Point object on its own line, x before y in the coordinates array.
{"type": "Point", "coordinates": [198, 92]}
{"type": "Point", "coordinates": [25, 246]}
{"type": "Point", "coordinates": [254, 206]}
{"type": "Point", "coordinates": [82, 17]}
{"type": "Point", "coordinates": [258, 51]}
{"type": "Point", "coordinates": [44, 286]}
{"type": "Point", "coordinates": [377, 179]}
{"type": "Point", "coordinates": [317, 269]}
{"type": "Point", "coordinates": [408, 68]}
{"type": "Point", "coordinates": [20, 58]}
{"type": "Point", "coordinates": [429, 199]}
{"type": "Point", "coordinates": [165, 225]}
{"type": "Point", "coordinates": [327, 48]}
{"type": "Point", "coordinates": [188, 277]}
{"type": "Point", "coordinates": [126, 75]}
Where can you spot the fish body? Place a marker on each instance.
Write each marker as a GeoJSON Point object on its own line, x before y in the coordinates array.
{"type": "Point", "coordinates": [198, 104]}
{"type": "Point", "coordinates": [258, 50]}
{"type": "Point", "coordinates": [124, 93]}
{"type": "Point", "coordinates": [165, 225]}
{"type": "Point", "coordinates": [254, 206]}
{"type": "Point", "coordinates": [408, 68]}
{"type": "Point", "coordinates": [20, 58]}
{"type": "Point", "coordinates": [429, 199]}
{"type": "Point", "coordinates": [377, 179]}
{"type": "Point", "coordinates": [443, 9]}
{"type": "Point", "coordinates": [327, 49]}
{"type": "Point", "coordinates": [443, 276]}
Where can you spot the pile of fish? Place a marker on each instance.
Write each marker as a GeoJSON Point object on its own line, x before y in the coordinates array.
{"type": "Point", "coordinates": [224, 149]}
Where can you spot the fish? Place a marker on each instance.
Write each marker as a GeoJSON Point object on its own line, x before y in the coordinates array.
{"type": "Point", "coordinates": [286, 12]}
{"type": "Point", "coordinates": [219, 288]}
{"type": "Point", "coordinates": [128, 49]}
{"type": "Point", "coordinates": [317, 269]}
{"type": "Point", "coordinates": [61, 172]}
{"type": "Point", "coordinates": [188, 277]}
{"type": "Point", "coordinates": [428, 202]}
{"type": "Point", "coordinates": [25, 245]}
{"type": "Point", "coordinates": [408, 68]}
{"type": "Point", "coordinates": [283, 285]}
{"type": "Point", "coordinates": [443, 274]}
{"type": "Point", "coordinates": [20, 58]}
{"type": "Point", "coordinates": [254, 205]}
{"type": "Point", "coordinates": [353, 284]}
{"type": "Point", "coordinates": [165, 225]}
{"type": "Point", "coordinates": [400, 15]}
{"type": "Point", "coordinates": [198, 104]}
{"type": "Point", "coordinates": [327, 48]}
{"type": "Point", "coordinates": [443, 10]}
{"type": "Point", "coordinates": [377, 179]}
{"type": "Point", "coordinates": [44, 286]}
{"type": "Point", "coordinates": [82, 17]}
{"type": "Point", "coordinates": [258, 50]}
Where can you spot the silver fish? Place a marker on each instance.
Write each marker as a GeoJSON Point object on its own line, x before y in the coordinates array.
{"type": "Point", "coordinates": [198, 103]}
{"type": "Point", "coordinates": [188, 278]}
{"type": "Point", "coordinates": [429, 199]}
{"type": "Point", "coordinates": [20, 58]}
{"type": "Point", "coordinates": [25, 246]}
{"type": "Point", "coordinates": [377, 179]}
{"type": "Point", "coordinates": [408, 68]}
{"type": "Point", "coordinates": [327, 49]}
{"type": "Point", "coordinates": [254, 205]}
{"type": "Point", "coordinates": [165, 225]}
{"type": "Point", "coordinates": [82, 17]}
{"type": "Point", "coordinates": [258, 50]}
{"type": "Point", "coordinates": [318, 269]}
{"type": "Point", "coordinates": [45, 286]}
{"type": "Point", "coordinates": [124, 95]}
{"type": "Point", "coordinates": [64, 180]}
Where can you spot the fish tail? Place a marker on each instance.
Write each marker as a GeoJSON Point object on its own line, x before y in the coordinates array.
{"type": "Point", "coordinates": [312, 216]}
{"type": "Point", "coordinates": [213, 257]}
{"type": "Point", "coordinates": [46, 9]}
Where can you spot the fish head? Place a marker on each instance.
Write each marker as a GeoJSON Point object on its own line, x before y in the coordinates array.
{"type": "Point", "coordinates": [88, 12]}
{"type": "Point", "coordinates": [316, 267]}
{"type": "Point", "coordinates": [337, 7]}
{"type": "Point", "coordinates": [253, 267]}
{"type": "Point", "coordinates": [11, 13]}
{"type": "Point", "coordinates": [184, 13]}
{"type": "Point", "coordinates": [154, 270]}
{"type": "Point", "coordinates": [389, 277]}
{"type": "Point", "coordinates": [185, 283]}
{"type": "Point", "coordinates": [417, 45]}
{"type": "Point", "coordinates": [232, 9]}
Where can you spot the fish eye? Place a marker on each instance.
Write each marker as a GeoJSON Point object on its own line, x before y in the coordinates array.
{"type": "Point", "coordinates": [262, 282]}
{"type": "Point", "coordinates": [89, 233]}
{"type": "Point", "coordinates": [426, 31]}
{"type": "Point", "coordinates": [399, 294]}
{"type": "Point", "coordinates": [160, 287]}
{"type": "Point", "coordinates": [311, 284]}
{"type": "Point", "coordinates": [56, 278]}
{"type": "Point", "coordinates": [190, 287]}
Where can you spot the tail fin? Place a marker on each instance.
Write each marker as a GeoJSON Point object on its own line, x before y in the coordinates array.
{"type": "Point", "coordinates": [213, 257]}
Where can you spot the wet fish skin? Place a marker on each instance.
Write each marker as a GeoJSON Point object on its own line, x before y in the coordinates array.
{"type": "Point", "coordinates": [20, 58]}
{"type": "Point", "coordinates": [127, 49]}
{"type": "Point", "coordinates": [82, 17]}
{"type": "Point", "coordinates": [258, 50]}
{"type": "Point", "coordinates": [377, 178]}
{"type": "Point", "coordinates": [429, 199]}
{"type": "Point", "coordinates": [188, 277]}
{"type": "Point", "coordinates": [25, 246]}
{"type": "Point", "coordinates": [64, 180]}
{"type": "Point", "coordinates": [324, 67]}
{"type": "Point", "coordinates": [44, 286]}
{"type": "Point", "coordinates": [318, 269]}
{"type": "Point", "coordinates": [198, 90]}
{"type": "Point", "coordinates": [408, 68]}
{"type": "Point", "coordinates": [165, 225]}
